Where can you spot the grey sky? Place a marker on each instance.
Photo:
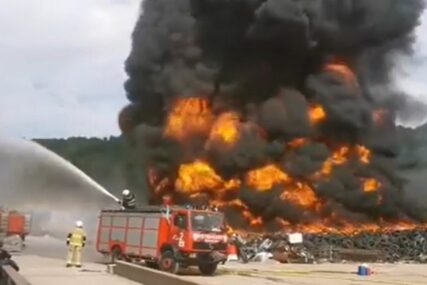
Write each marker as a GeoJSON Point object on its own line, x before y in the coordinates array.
{"type": "Point", "coordinates": [61, 66]}
{"type": "Point", "coordinates": [410, 74]}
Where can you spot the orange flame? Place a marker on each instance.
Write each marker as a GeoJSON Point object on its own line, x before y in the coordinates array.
{"type": "Point", "coordinates": [301, 195]}
{"type": "Point", "coordinates": [265, 178]}
{"type": "Point", "coordinates": [250, 218]}
{"type": "Point", "coordinates": [342, 155]}
{"type": "Point", "coordinates": [317, 114]}
{"type": "Point", "coordinates": [342, 70]}
{"type": "Point", "coordinates": [226, 128]}
{"type": "Point", "coordinates": [330, 225]}
{"type": "Point", "coordinates": [371, 185]}
{"type": "Point", "coordinates": [256, 222]}
{"type": "Point", "coordinates": [297, 142]}
{"type": "Point", "coordinates": [188, 116]}
{"type": "Point", "coordinates": [199, 176]}
{"type": "Point", "coordinates": [364, 154]}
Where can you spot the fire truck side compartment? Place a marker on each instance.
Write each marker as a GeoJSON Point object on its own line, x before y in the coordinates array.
{"type": "Point", "coordinates": [14, 223]}
{"type": "Point", "coordinates": [136, 233]}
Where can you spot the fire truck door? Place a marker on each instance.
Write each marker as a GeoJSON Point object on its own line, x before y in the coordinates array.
{"type": "Point", "coordinates": [180, 230]}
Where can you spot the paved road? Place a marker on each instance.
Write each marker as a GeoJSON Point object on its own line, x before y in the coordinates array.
{"type": "Point", "coordinates": [55, 248]}
{"type": "Point", "coordinates": [48, 271]}
{"type": "Point", "coordinates": [43, 263]}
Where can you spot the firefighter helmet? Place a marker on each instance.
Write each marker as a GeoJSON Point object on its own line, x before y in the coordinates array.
{"type": "Point", "coordinates": [79, 224]}
{"type": "Point", "coordinates": [125, 192]}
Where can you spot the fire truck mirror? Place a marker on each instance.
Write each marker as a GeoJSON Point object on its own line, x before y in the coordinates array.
{"type": "Point", "coordinates": [180, 221]}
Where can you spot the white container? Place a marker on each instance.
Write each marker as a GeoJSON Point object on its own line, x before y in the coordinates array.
{"type": "Point", "coordinates": [295, 238]}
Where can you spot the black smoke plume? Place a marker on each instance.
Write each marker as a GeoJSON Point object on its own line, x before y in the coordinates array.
{"type": "Point", "coordinates": [267, 60]}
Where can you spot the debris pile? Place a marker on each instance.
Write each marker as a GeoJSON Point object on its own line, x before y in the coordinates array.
{"type": "Point", "coordinates": [396, 246]}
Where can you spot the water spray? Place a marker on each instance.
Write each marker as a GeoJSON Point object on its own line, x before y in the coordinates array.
{"type": "Point", "coordinates": [24, 148]}
{"type": "Point", "coordinates": [83, 175]}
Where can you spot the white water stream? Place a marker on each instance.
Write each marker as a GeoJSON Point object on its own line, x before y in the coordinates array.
{"type": "Point", "coordinates": [39, 181]}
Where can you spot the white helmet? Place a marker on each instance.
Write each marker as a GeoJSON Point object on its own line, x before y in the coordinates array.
{"type": "Point", "coordinates": [126, 192]}
{"type": "Point", "coordinates": [79, 224]}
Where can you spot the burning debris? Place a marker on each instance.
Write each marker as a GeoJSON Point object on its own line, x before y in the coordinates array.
{"type": "Point", "coordinates": [265, 109]}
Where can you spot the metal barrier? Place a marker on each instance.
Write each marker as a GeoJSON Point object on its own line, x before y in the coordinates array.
{"type": "Point", "coordinates": [9, 276]}
{"type": "Point", "coordinates": [148, 276]}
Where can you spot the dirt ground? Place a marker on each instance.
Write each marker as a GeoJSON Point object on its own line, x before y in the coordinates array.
{"type": "Point", "coordinates": [271, 273]}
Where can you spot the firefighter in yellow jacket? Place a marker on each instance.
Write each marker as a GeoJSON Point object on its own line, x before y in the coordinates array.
{"type": "Point", "coordinates": [76, 240]}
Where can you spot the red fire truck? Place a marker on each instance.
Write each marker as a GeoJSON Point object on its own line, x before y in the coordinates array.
{"type": "Point", "coordinates": [14, 223]}
{"type": "Point", "coordinates": [166, 237]}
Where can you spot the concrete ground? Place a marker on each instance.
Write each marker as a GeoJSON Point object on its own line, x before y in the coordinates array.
{"type": "Point", "coordinates": [43, 263]}
{"type": "Point", "coordinates": [301, 274]}
{"type": "Point", "coordinates": [43, 260]}
{"type": "Point", "coordinates": [46, 246]}
{"type": "Point", "coordinates": [48, 271]}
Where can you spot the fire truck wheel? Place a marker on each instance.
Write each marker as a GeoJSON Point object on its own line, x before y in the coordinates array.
{"type": "Point", "coordinates": [208, 268]}
{"type": "Point", "coordinates": [168, 262]}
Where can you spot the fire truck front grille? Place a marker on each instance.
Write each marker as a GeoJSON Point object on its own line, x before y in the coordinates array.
{"type": "Point", "coordinates": [209, 246]}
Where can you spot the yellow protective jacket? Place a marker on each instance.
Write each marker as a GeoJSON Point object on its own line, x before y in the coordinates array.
{"type": "Point", "coordinates": [77, 237]}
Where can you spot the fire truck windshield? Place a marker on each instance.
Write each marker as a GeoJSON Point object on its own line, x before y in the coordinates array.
{"type": "Point", "coordinates": [210, 222]}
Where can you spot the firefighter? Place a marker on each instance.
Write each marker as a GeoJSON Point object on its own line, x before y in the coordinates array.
{"type": "Point", "coordinates": [76, 240]}
{"type": "Point", "coordinates": [128, 200]}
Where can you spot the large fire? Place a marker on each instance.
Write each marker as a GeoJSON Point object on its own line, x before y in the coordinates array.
{"type": "Point", "coordinates": [265, 178]}
{"type": "Point", "coordinates": [188, 116]}
{"type": "Point", "coordinates": [199, 177]}
{"type": "Point", "coordinates": [300, 194]}
{"type": "Point", "coordinates": [274, 121]}
{"type": "Point", "coordinates": [341, 155]}
{"type": "Point", "coordinates": [192, 116]}
{"type": "Point", "coordinates": [225, 128]}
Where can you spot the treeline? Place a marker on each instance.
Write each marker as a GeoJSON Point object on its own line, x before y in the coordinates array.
{"type": "Point", "coordinates": [105, 160]}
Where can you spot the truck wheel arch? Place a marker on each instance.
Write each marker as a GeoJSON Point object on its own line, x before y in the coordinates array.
{"type": "Point", "coordinates": [169, 247]}
{"type": "Point", "coordinates": [115, 253]}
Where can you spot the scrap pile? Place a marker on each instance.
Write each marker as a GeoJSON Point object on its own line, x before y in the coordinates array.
{"type": "Point", "coordinates": [408, 245]}
{"type": "Point", "coordinates": [396, 246]}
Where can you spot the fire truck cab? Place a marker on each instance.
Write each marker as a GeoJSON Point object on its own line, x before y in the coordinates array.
{"type": "Point", "coordinates": [165, 237]}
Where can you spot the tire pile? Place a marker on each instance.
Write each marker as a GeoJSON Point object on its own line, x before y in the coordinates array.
{"type": "Point", "coordinates": [405, 245]}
